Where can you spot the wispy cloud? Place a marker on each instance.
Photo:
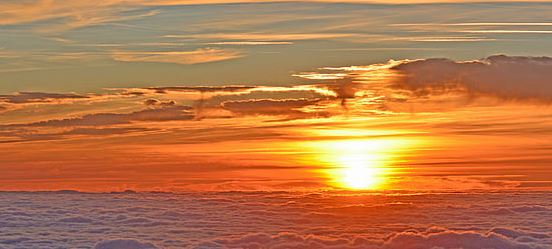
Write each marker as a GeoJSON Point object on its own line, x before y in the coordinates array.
{"type": "Point", "coordinates": [505, 31]}
{"type": "Point", "coordinates": [186, 57]}
{"type": "Point", "coordinates": [251, 43]}
{"type": "Point", "coordinates": [474, 24]}
{"type": "Point", "coordinates": [272, 37]}
{"type": "Point", "coordinates": [445, 39]}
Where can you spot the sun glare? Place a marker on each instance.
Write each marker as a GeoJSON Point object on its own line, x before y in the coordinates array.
{"type": "Point", "coordinates": [359, 171]}
{"type": "Point", "coordinates": [358, 164]}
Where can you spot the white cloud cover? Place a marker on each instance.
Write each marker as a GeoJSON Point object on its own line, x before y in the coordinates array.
{"type": "Point", "coordinates": [69, 219]}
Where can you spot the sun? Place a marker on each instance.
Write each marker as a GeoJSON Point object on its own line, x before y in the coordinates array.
{"type": "Point", "coordinates": [359, 171]}
{"type": "Point", "coordinates": [358, 164]}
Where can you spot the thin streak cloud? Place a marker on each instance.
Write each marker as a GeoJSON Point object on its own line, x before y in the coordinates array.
{"type": "Point", "coordinates": [251, 43]}
{"type": "Point", "coordinates": [185, 57]}
{"type": "Point", "coordinates": [252, 37]}
{"type": "Point", "coordinates": [505, 31]}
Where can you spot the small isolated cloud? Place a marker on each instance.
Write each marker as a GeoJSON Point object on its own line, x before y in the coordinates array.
{"type": "Point", "coordinates": [198, 56]}
{"type": "Point", "coordinates": [124, 244]}
{"type": "Point", "coordinates": [156, 102]}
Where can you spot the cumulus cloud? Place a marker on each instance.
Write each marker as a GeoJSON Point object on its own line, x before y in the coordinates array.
{"type": "Point", "coordinates": [180, 57]}
{"type": "Point", "coordinates": [508, 77]}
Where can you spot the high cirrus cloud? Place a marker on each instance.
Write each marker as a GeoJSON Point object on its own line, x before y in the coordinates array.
{"type": "Point", "coordinates": [508, 77]}
{"type": "Point", "coordinates": [178, 57]}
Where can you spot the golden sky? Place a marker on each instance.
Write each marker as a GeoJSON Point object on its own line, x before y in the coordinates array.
{"type": "Point", "coordinates": [170, 95]}
{"type": "Point", "coordinates": [409, 125]}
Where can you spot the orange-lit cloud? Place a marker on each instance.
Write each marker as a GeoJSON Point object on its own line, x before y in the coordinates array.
{"type": "Point", "coordinates": [186, 57]}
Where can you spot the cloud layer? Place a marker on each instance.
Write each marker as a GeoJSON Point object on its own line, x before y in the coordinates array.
{"type": "Point", "coordinates": [275, 220]}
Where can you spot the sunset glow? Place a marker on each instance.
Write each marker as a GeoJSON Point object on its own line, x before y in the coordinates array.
{"type": "Point", "coordinates": [323, 124]}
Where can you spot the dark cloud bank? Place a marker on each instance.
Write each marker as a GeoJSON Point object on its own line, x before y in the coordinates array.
{"type": "Point", "coordinates": [508, 77]}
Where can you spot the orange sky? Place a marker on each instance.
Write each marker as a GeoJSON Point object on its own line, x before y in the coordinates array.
{"type": "Point", "coordinates": [401, 125]}
{"type": "Point", "coordinates": [180, 95]}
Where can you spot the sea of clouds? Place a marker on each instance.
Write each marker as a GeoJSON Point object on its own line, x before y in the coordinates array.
{"type": "Point", "coordinates": [67, 219]}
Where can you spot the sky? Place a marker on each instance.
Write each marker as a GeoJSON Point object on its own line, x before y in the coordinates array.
{"type": "Point", "coordinates": [257, 95]}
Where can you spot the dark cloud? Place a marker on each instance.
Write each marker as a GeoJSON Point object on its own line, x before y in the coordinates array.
{"type": "Point", "coordinates": [508, 77]}
{"type": "Point", "coordinates": [103, 131]}
{"type": "Point", "coordinates": [170, 113]}
{"type": "Point", "coordinates": [345, 89]}
{"type": "Point", "coordinates": [156, 102]}
{"type": "Point", "coordinates": [269, 106]}
{"type": "Point", "coordinates": [201, 88]}
{"type": "Point", "coordinates": [19, 134]}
